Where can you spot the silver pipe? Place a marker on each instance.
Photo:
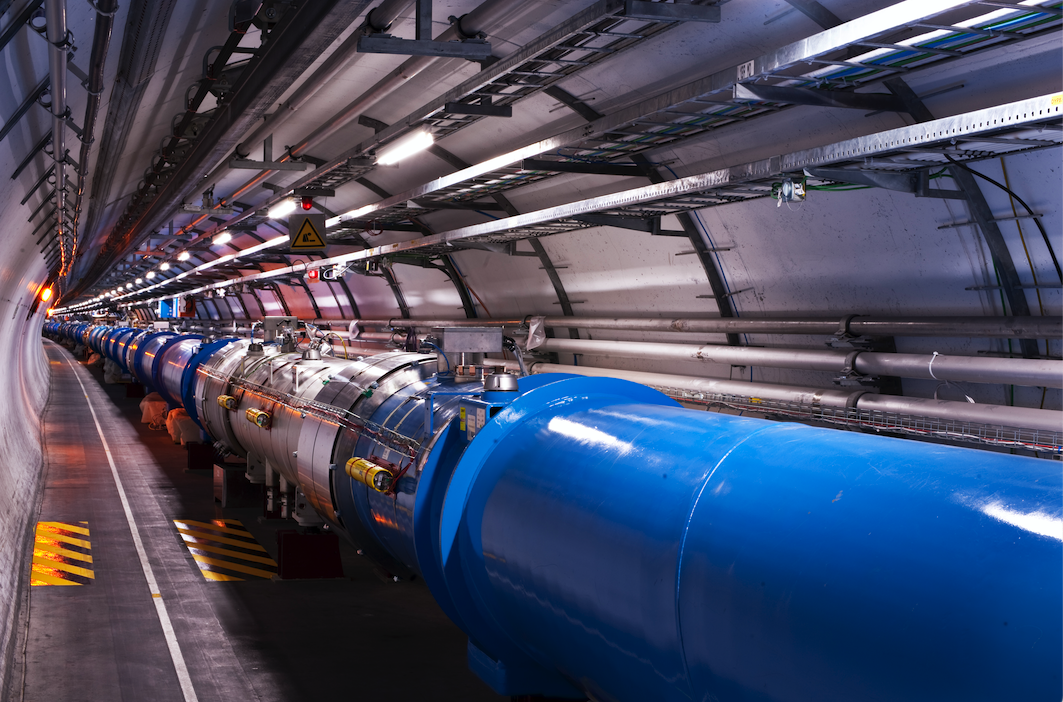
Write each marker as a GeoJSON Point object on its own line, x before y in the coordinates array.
{"type": "Point", "coordinates": [377, 20]}
{"type": "Point", "coordinates": [476, 21]}
{"type": "Point", "coordinates": [1020, 417]}
{"type": "Point", "coordinates": [101, 41]}
{"type": "Point", "coordinates": [55, 16]}
{"type": "Point", "coordinates": [1009, 371]}
{"type": "Point", "coordinates": [963, 327]}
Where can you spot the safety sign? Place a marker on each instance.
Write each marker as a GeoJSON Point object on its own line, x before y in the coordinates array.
{"type": "Point", "coordinates": [307, 232]}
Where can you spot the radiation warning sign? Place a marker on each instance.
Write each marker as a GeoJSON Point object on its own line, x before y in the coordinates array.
{"type": "Point", "coordinates": [307, 232]}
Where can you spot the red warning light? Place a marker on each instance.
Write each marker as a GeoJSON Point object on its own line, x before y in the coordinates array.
{"type": "Point", "coordinates": [307, 202]}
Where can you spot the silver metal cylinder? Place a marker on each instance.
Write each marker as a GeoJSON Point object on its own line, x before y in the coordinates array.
{"type": "Point", "coordinates": [1022, 417]}
{"type": "Point", "coordinates": [1009, 371]}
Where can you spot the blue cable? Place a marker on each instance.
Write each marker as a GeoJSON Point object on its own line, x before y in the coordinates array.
{"type": "Point", "coordinates": [441, 353]}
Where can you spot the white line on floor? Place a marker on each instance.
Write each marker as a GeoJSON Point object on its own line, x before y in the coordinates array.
{"type": "Point", "coordinates": [149, 575]}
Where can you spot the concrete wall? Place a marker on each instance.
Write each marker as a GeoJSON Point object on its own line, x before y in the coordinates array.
{"type": "Point", "coordinates": [24, 389]}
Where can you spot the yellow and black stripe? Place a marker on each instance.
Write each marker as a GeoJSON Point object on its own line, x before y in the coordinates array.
{"type": "Point", "coordinates": [62, 554]}
{"type": "Point", "coordinates": [224, 550]}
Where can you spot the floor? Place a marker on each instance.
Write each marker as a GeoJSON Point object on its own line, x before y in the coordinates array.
{"type": "Point", "coordinates": [357, 637]}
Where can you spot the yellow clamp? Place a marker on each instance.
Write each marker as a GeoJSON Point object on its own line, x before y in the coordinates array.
{"type": "Point", "coordinates": [369, 473]}
{"type": "Point", "coordinates": [259, 418]}
{"type": "Point", "coordinates": [228, 402]}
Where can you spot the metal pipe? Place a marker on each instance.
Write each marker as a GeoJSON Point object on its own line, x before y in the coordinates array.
{"type": "Point", "coordinates": [55, 16]}
{"type": "Point", "coordinates": [1009, 371]}
{"type": "Point", "coordinates": [1021, 417]}
{"type": "Point", "coordinates": [377, 19]}
{"type": "Point", "coordinates": [101, 41]}
{"type": "Point", "coordinates": [475, 22]}
{"type": "Point", "coordinates": [472, 23]}
{"type": "Point", "coordinates": [965, 327]}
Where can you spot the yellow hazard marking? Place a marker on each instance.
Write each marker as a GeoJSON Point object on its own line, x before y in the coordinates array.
{"type": "Point", "coordinates": [58, 557]}
{"type": "Point", "coordinates": [308, 237]}
{"type": "Point", "coordinates": [76, 555]}
{"type": "Point", "coordinates": [222, 528]}
{"type": "Point", "coordinates": [45, 577]}
{"type": "Point", "coordinates": [51, 560]}
{"type": "Point", "coordinates": [229, 565]}
{"type": "Point", "coordinates": [213, 553]}
{"type": "Point", "coordinates": [195, 536]}
{"type": "Point", "coordinates": [220, 577]}
{"type": "Point", "coordinates": [234, 554]}
{"type": "Point", "coordinates": [1057, 99]}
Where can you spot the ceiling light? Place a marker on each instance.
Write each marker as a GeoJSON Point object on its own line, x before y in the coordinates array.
{"type": "Point", "coordinates": [128, 286]}
{"type": "Point", "coordinates": [138, 281]}
{"type": "Point", "coordinates": [46, 294]}
{"type": "Point", "coordinates": [149, 275]}
{"type": "Point", "coordinates": [405, 147]}
{"type": "Point", "coordinates": [282, 209]}
{"type": "Point", "coordinates": [223, 238]}
{"type": "Point", "coordinates": [164, 266]}
{"type": "Point", "coordinates": [184, 256]}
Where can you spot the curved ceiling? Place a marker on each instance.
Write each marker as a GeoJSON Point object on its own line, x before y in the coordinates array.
{"type": "Point", "coordinates": [633, 178]}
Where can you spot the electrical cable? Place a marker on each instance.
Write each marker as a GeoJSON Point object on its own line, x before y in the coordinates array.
{"type": "Point", "coordinates": [447, 360]}
{"type": "Point", "coordinates": [1037, 221]}
{"type": "Point", "coordinates": [1022, 238]}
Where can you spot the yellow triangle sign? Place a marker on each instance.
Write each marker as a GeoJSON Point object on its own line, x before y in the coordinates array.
{"type": "Point", "coordinates": [308, 237]}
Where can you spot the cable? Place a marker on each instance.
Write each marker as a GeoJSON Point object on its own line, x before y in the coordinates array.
{"type": "Point", "coordinates": [447, 360]}
{"type": "Point", "coordinates": [1022, 238]}
{"type": "Point", "coordinates": [1036, 220]}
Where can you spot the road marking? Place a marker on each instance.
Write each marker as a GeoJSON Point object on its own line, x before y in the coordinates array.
{"type": "Point", "coordinates": [58, 558]}
{"type": "Point", "coordinates": [202, 544]}
{"type": "Point", "coordinates": [178, 658]}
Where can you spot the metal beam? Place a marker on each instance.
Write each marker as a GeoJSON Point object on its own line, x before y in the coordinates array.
{"type": "Point", "coordinates": [816, 12]}
{"type": "Point", "coordinates": [470, 49]}
{"type": "Point", "coordinates": [481, 109]}
{"type": "Point", "coordinates": [18, 21]}
{"type": "Point", "coordinates": [981, 213]}
{"type": "Point", "coordinates": [753, 180]}
{"type": "Point", "coordinates": [37, 148]}
{"type": "Point", "coordinates": [304, 32]}
{"type": "Point", "coordinates": [610, 169]}
{"type": "Point", "coordinates": [671, 12]}
{"type": "Point", "coordinates": [881, 102]}
{"type": "Point", "coordinates": [38, 184]}
{"type": "Point", "coordinates": [24, 107]}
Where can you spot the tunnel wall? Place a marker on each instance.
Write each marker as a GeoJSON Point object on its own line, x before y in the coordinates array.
{"type": "Point", "coordinates": [24, 388]}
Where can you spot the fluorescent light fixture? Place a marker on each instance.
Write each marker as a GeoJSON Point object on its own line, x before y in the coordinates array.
{"type": "Point", "coordinates": [282, 209]}
{"type": "Point", "coordinates": [405, 147]}
{"type": "Point", "coordinates": [353, 214]}
{"type": "Point", "coordinates": [164, 266]}
{"type": "Point", "coordinates": [184, 256]}
{"type": "Point", "coordinates": [149, 275]}
{"type": "Point", "coordinates": [138, 281]}
{"type": "Point", "coordinates": [223, 238]}
{"type": "Point", "coordinates": [128, 286]}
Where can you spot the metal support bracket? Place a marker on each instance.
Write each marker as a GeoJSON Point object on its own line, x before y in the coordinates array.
{"type": "Point", "coordinates": [24, 107]}
{"type": "Point", "coordinates": [267, 163]}
{"type": "Point", "coordinates": [880, 102]}
{"type": "Point", "coordinates": [916, 182]}
{"type": "Point", "coordinates": [671, 11]}
{"type": "Point", "coordinates": [482, 109]}
{"type": "Point", "coordinates": [471, 49]}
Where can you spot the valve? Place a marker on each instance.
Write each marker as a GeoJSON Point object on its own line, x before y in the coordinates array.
{"type": "Point", "coordinates": [228, 402]}
{"type": "Point", "coordinates": [260, 418]}
{"type": "Point", "coordinates": [369, 473]}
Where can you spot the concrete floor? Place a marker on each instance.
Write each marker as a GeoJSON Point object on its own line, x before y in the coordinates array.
{"type": "Point", "coordinates": [359, 637]}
